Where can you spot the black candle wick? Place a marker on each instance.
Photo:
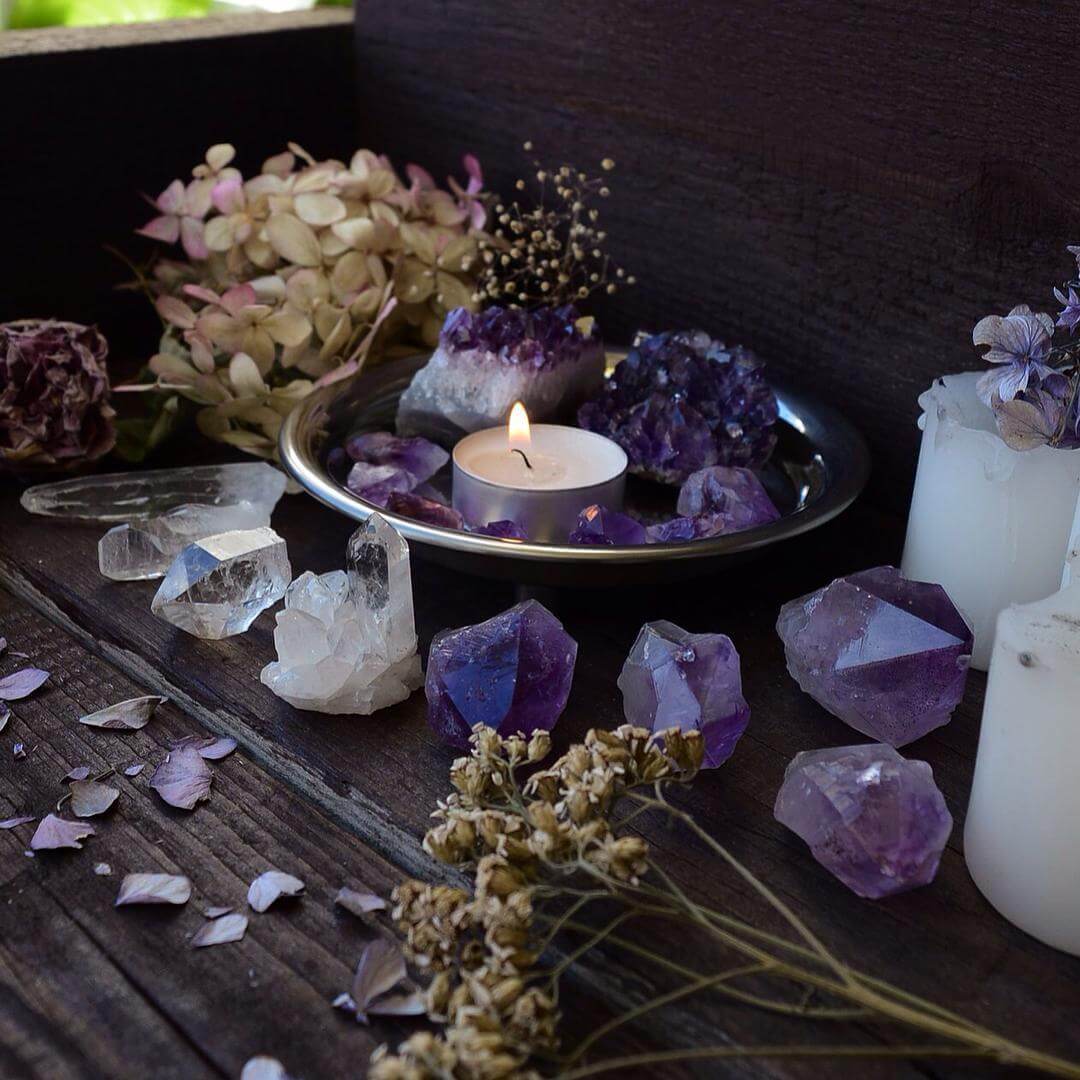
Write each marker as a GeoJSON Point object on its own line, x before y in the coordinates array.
{"type": "Point", "coordinates": [516, 450]}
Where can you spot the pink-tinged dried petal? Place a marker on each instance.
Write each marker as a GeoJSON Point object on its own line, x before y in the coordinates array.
{"type": "Point", "coordinates": [183, 779]}
{"type": "Point", "coordinates": [380, 969]}
{"type": "Point", "coordinates": [264, 1068]}
{"type": "Point", "coordinates": [359, 901]}
{"type": "Point", "coordinates": [80, 772]}
{"type": "Point", "coordinates": [22, 683]}
{"type": "Point", "coordinates": [200, 292]}
{"type": "Point", "coordinates": [164, 229]}
{"type": "Point", "coordinates": [228, 196]}
{"type": "Point", "coordinates": [280, 164]}
{"type": "Point", "coordinates": [171, 200]}
{"type": "Point", "coordinates": [154, 889]}
{"type": "Point", "coordinates": [173, 310]}
{"type": "Point", "coordinates": [134, 770]}
{"type": "Point", "coordinates": [90, 798]}
{"type": "Point", "coordinates": [474, 172]}
{"type": "Point", "coordinates": [14, 822]}
{"type": "Point", "coordinates": [268, 887]}
{"type": "Point", "coordinates": [239, 296]}
{"type": "Point", "coordinates": [57, 832]}
{"type": "Point", "coordinates": [130, 715]}
{"type": "Point", "coordinates": [191, 236]}
{"type": "Point", "coordinates": [220, 931]}
{"type": "Point", "coordinates": [405, 1004]}
{"type": "Point", "coordinates": [211, 747]}
{"type": "Point", "coordinates": [219, 155]}
{"type": "Point", "coordinates": [216, 912]}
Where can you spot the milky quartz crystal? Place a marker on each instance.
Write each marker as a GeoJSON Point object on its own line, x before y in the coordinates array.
{"type": "Point", "coordinates": [875, 821]}
{"type": "Point", "coordinates": [1022, 837]}
{"type": "Point", "coordinates": [512, 673]}
{"type": "Point", "coordinates": [217, 587]}
{"type": "Point", "coordinates": [550, 359]}
{"type": "Point", "coordinates": [693, 682]}
{"type": "Point", "coordinates": [886, 655]}
{"type": "Point", "coordinates": [346, 641]}
{"type": "Point", "coordinates": [989, 523]}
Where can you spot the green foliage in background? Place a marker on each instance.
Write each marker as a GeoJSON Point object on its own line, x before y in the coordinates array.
{"type": "Point", "coordinates": [27, 14]}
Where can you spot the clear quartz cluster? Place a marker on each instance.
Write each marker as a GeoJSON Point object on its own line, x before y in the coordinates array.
{"type": "Point", "coordinates": [346, 641]}
{"type": "Point", "coordinates": [218, 586]}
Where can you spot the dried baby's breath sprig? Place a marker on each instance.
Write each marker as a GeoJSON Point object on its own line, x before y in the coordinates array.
{"type": "Point", "coordinates": [549, 251]}
{"type": "Point", "coordinates": [541, 850]}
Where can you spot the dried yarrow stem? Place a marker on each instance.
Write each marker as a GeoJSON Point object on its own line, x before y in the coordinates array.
{"type": "Point", "coordinates": [544, 848]}
{"type": "Point", "coordinates": [552, 251]}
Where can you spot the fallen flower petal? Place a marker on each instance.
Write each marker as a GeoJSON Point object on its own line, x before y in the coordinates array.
{"type": "Point", "coordinates": [57, 832]}
{"type": "Point", "coordinates": [5, 714]}
{"type": "Point", "coordinates": [380, 968]}
{"type": "Point", "coordinates": [102, 869]}
{"type": "Point", "coordinates": [220, 931]}
{"type": "Point", "coordinates": [264, 1068]}
{"type": "Point", "coordinates": [13, 822]}
{"type": "Point", "coordinates": [183, 778]}
{"type": "Point", "coordinates": [404, 1004]}
{"type": "Point", "coordinates": [216, 912]}
{"type": "Point", "coordinates": [18, 751]}
{"type": "Point", "coordinates": [90, 798]}
{"type": "Point", "coordinates": [130, 715]}
{"type": "Point", "coordinates": [21, 683]}
{"type": "Point", "coordinates": [268, 887]}
{"type": "Point", "coordinates": [210, 747]}
{"type": "Point", "coordinates": [359, 902]}
{"type": "Point", "coordinates": [134, 770]}
{"type": "Point", "coordinates": [154, 889]}
{"type": "Point", "coordinates": [80, 772]}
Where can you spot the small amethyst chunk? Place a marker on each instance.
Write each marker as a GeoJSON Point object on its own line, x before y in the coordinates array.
{"type": "Point", "coordinates": [886, 655]}
{"type": "Point", "coordinates": [385, 464]}
{"type": "Point", "coordinates": [599, 527]}
{"type": "Point", "coordinates": [410, 505]}
{"type": "Point", "coordinates": [872, 819]}
{"type": "Point", "coordinates": [681, 401]}
{"type": "Point", "coordinates": [504, 530]}
{"type": "Point", "coordinates": [735, 493]}
{"type": "Point", "coordinates": [512, 673]}
{"type": "Point", "coordinates": [376, 483]}
{"type": "Point", "coordinates": [680, 530]}
{"type": "Point", "coordinates": [688, 681]}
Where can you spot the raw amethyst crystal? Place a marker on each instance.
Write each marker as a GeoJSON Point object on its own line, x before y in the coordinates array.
{"type": "Point", "coordinates": [680, 530]}
{"type": "Point", "coordinates": [875, 821]}
{"type": "Point", "coordinates": [689, 681]}
{"type": "Point", "coordinates": [550, 359]}
{"type": "Point", "coordinates": [512, 673]}
{"type": "Point", "coordinates": [735, 494]}
{"type": "Point", "coordinates": [599, 527]}
{"type": "Point", "coordinates": [681, 401]}
{"type": "Point", "coordinates": [504, 530]}
{"type": "Point", "coordinates": [409, 504]}
{"type": "Point", "coordinates": [385, 464]}
{"type": "Point", "coordinates": [887, 655]}
{"type": "Point", "coordinates": [376, 483]}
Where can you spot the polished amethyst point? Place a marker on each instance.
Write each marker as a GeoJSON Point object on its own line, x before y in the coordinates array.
{"type": "Point", "coordinates": [875, 821]}
{"type": "Point", "coordinates": [504, 530]}
{"type": "Point", "coordinates": [690, 681]}
{"type": "Point", "coordinates": [410, 505]}
{"type": "Point", "coordinates": [735, 494]}
{"type": "Point", "coordinates": [543, 337]}
{"type": "Point", "coordinates": [512, 673]}
{"type": "Point", "coordinates": [599, 527]}
{"type": "Point", "coordinates": [681, 401]}
{"type": "Point", "coordinates": [887, 655]}
{"type": "Point", "coordinates": [417, 457]}
{"type": "Point", "coordinates": [376, 483]}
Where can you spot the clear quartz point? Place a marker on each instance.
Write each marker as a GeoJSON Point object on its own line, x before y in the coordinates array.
{"type": "Point", "coordinates": [346, 641]}
{"type": "Point", "coordinates": [132, 496]}
{"type": "Point", "coordinates": [218, 586]}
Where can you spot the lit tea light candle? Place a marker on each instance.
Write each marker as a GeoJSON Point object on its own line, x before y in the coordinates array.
{"type": "Point", "coordinates": [541, 476]}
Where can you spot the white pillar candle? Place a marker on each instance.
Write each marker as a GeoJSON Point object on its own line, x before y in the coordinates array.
{"type": "Point", "coordinates": [1022, 836]}
{"type": "Point", "coordinates": [541, 478]}
{"type": "Point", "coordinates": [988, 523]}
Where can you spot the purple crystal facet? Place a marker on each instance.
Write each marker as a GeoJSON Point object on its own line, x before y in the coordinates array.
{"type": "Point", "coordinates": [680, 530]}
{"type": "Point", "coordinates": [599, 527]}
{"type": "Point", "coordinates": [886, 655]}
{"type": "Point", "coordinates": [376, 483]}
{"type": "Point", "coordinates": [512, 673]}
{"type": "Point", "coordinates": [540, 338]}
{"type": "Point", "coordinates": [735, 494]}
{"type": "Point", "coordinates": [690, 681]}
{"type": "Point", "coordinates": [504, 530]}
{"type": "Point", "coordinates": [875, 821]}
{"type": "Point", "coordinates": [385, 464]}
{"type": "Point", "coordinates": [681, 401]}
{"type": "Point", "coordinates": [409, 504]}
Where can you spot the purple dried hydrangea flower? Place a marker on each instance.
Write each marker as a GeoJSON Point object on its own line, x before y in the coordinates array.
{"type": "Point", "coordinates": [409, 504]}
{"type": "Point", "coordinates": [681, 401]}
{"type": "Point", "coordinates": [599, 527]}
{"type": "Point", "coordinates": [1018, 343]}
{"type": "Point", "coordinates": [504, 530]}
{"type": "Point", "coordinates": [1043, 414]}
{"type": "Point", "coordinates": [1069, 317]}
{"type": "Point", "coordinates": [54, 395]}
{"type": "Point", "coordinates": [539, 338]}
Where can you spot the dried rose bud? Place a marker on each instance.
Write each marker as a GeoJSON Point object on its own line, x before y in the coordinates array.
{"type": "Point", "coordinates": [54, 395]}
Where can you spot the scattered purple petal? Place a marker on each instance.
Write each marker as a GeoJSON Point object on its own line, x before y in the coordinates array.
{"type": "Point", "coordinates": [183, 779]}
{"type": "Point", "coordinates": [90, 798]}
{"type": "Point", "coordinates": [344, 1001]}
{"type": "Point", "coordinates": [210, 747]}
{"type": "Point", "coordinates": [18, 751]}
{"type": "Point", "coordinates": [22, 683]}
{"type": "Point", "coordinates": [81, 772]}
{"type": "Point", "coordinates": [268, 887]}
{"type": "Point", "coordinates": [57, 832]}
{"type": "Point", "coordinates": [220, 932]}
{"type": "Point", "coordinates": [154, 889]}
{"type": "Point", "coordinates": [15, 822]}
{"type": "Point", "coordinates": [130, 715]}
{"type": "Point", "coordinates": [216, 912]}
{"type": "Point", "coordinates": [359, 901]}
{"type": "Point", "coordinates": [134, 770]}
{"type": "Point", "coordinates": [264, 1068]}
{"type": "Point", "coordinates": [102, 869]}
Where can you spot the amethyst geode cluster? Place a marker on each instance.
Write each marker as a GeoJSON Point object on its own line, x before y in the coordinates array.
{"type": "Point", "coordinates": [550, 359]}
{"type": "Point", "coordinates": [681, 401]}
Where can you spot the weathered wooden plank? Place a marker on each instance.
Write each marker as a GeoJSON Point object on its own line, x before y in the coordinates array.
{"type": "Point", "coordinates": [389, 769]}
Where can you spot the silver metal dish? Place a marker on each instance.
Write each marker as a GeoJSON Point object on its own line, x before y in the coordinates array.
{"type": "Point", "coordinates": [820, 465]}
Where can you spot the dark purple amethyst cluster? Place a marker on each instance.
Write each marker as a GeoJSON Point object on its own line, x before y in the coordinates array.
{"type": "Point", "coordinates": [681, 402]}
{"type": "Point", "coordinates": [540, 338]}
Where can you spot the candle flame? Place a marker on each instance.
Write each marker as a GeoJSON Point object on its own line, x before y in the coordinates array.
{"type": "Point", "coordinates": [519, 433]}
